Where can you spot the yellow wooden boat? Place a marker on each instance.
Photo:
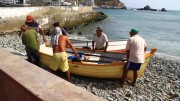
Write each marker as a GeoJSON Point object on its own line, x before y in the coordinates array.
{"type": "Point", "coordinates": [97, 64]}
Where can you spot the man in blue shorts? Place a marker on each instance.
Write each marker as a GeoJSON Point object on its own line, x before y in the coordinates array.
{"type": "Point", "coordinates": [135, 47]}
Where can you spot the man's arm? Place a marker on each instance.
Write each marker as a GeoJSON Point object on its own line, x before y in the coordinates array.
{"type": "Point", "coordinates": [42, 33]}
{"type": "Point", "coordinates": [105, 49]}
{"type": "Point", "coordinates": [128, 45]}
{"type": "Point", "coordinates": [93, 45]}
{"type": "Point", "coordinates": [36, 38]}
{"type": "Point", "coordinates": [145, 48]}
{"type": "Point", "coordinates": [37, 42]}
{"type": "Point", "coordinates": [106, 40]}
{"type": "Point", "coordinates": [23, 40]}
{"type": "Point", "coordinates": [128, 52]}
{"type": "Point", "coordinates": [71, 46]}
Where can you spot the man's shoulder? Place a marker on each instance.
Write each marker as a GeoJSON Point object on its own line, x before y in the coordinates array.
{"type": "Point", "coordinates": [31, 31]}
{"type": "Point", "coordinates": [104, 34]}
{"type": "Point", "coordinates": [63, 36]}
{"type": "Point", "coordinates": [32, 24]}
{"type": "Point", "coordinates": [137, 38]}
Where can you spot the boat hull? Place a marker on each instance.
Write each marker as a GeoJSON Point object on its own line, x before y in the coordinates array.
{"type": "Point", "coordinates": [108, 70]}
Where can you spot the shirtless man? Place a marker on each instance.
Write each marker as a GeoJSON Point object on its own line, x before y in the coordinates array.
{"type": "Point", "coordinates": [59, 59]}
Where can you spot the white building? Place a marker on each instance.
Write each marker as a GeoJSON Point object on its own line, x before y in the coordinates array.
{"type": "Point", "coordinates": [47, 0]}
{"type": "Point", "coordinates": [60, 3]}
{"type": "Point", "coordinates": [92, 3]}
{"type": "Point", "coordinates": [13, 1]}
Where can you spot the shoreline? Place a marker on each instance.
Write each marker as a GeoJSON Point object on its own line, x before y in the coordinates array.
{"type": "Point", "coordinates": [14, 37]}
{"type": "Point", "coordinates": [161, 80]}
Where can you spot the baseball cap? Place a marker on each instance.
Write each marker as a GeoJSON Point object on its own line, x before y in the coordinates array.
{"type": "Point", "coordinates": [134, 31]}
{"type": "Point", "coordinates": [99, 29]}
{"type": "Point", "coordinates": [29, 18]}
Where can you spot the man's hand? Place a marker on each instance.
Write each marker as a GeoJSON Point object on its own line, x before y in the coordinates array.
{"type": "Point", "coordinates": [48, 44]}
{"type": "Point", "coordinates": [76, 55]}
{"type": "Point", "coordinates": [94, 50]}
{"type": "Point", "coordinates": [44, 39]}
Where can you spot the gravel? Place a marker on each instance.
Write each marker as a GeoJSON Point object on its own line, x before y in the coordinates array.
{"type": "Point", "coordinates": [160, 82]}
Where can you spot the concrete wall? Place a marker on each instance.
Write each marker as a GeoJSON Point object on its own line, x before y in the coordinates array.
{"type": "Point", "coordinates": [11, 90]}
{"type": "Point", "coordinates": [11, 18]}
{"type": "Point", "coordinates": [7, 12]}
{"type": "Point", "coordinates": [23, 81]}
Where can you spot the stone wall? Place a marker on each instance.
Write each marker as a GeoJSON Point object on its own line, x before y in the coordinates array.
{"type": "Point", "coordinates": [69, 16]}
{"type": "Point", "coordinates": [9, 12]}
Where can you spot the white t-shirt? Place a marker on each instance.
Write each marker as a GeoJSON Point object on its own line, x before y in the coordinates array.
{"type": "Point", "coordinates": [136, 45]}
{"type": "Point", "coordinates": [101, 41]}
{"type": "Point", "coordinates": [55, 36]}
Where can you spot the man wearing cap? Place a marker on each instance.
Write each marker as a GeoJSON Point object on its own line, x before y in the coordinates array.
{"type": "Point", "coordinates": [136, 47]}
{"type": "Point", "coordinates": [100, 39]}
{"type": "Point", "coordinates": [32, 24]}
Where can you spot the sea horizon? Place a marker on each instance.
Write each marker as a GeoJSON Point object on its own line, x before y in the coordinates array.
{"type": "Point", "coordinates": [159, 29]}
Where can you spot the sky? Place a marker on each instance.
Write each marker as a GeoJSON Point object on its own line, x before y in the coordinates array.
{"type": "Point", "coordinates": [155, 4]}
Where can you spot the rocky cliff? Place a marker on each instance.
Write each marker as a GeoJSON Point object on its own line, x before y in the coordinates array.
{"type": "Point", "coordinates": [115, 3]}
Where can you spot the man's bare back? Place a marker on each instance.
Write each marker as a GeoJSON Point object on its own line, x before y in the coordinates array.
{"type": "Point", "coordinates": [63, 41]}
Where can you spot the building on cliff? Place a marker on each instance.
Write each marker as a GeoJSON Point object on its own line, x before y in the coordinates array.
{"type": "Point", "coordinates": [16, 3]}
{"type": "Point", "coordinates": [64, 3]}
{"type": "Point", "coordinates": [9, 1]}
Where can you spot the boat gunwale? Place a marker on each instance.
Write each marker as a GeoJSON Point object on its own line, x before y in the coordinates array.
{"type": "Point", "coordinates": [147, 55]}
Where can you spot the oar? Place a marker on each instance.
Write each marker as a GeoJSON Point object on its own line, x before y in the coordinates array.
{"type": "Point", "coordinates": [98, 56]}
{"type": "Point", "coordinates": [96, 61]}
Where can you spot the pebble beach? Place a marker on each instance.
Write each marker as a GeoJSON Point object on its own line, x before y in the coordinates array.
{"type": "Point", "coordinates": [160, 82]}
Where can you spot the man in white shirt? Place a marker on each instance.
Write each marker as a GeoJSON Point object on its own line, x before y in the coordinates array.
{"type": "Point", "coordinates": [100, 39]}
{"type": "Point", "coordinates": [136, 47]}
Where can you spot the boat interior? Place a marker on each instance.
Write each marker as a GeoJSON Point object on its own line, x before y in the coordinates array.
{"type": "Point", "coordinates": [98, 57]}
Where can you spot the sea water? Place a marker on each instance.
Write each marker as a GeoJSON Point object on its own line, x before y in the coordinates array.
{"type": "Point", "coordinates": [161, 30]}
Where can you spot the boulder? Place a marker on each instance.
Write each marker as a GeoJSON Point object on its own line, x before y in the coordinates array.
{"type": "Point", "coordinates": [163, 10]}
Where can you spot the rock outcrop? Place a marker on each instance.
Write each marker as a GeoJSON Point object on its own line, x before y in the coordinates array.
{"type": "Point", "coordinates": [112, 3]}
{"type": "Point", "coordinates": [163, 10]}
{"type": "Point", "coordinates": [148, 8]}
{"type": "Point", "coordinates": [105, 3]}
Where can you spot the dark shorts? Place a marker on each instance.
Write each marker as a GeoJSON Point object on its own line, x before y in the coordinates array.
{"type": "Point", "coordinates": [133, 66]}
{"type": "Point", "coordinates": [100, 48]}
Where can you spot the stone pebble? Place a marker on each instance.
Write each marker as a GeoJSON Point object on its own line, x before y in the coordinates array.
{"type": "Point", "coordinates": [160, 82]}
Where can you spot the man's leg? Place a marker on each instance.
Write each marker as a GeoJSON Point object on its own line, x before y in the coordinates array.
{"type": "Point", "coordinates": [36, 57]}
{"type": "Point", "coordinates": [29, 56]}
{"type": "Point", "coordinates": [125, 72]}
{"type": "Point", "coordinates": [68, 75]}
{"type": "Point", "coordinates": [135, 75]}
{"type": "Point", "coordinates": [123, 76]}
